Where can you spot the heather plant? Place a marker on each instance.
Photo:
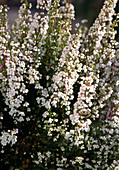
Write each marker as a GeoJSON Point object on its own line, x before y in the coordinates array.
{"type": "Point", "coordinates": [59, 90]}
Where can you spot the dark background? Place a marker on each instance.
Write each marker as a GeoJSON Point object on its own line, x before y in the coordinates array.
{"type": "Point", "coordinates": [84, 9]}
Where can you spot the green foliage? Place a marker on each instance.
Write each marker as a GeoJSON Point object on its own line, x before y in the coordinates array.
{"type": "Point", "coordinates": [59, 90]}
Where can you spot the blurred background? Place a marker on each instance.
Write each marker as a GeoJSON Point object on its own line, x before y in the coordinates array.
{"type": "Point", "coordinates": [84, 9]}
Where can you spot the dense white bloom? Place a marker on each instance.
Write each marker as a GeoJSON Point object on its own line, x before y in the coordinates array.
{"type": "Point", "coordinates": [9, 137]}
{"type": "Point", "coordinates": [60, 83]}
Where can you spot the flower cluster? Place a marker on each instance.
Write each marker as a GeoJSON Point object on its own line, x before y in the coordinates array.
{"type": "Point", "coordinates": [61, 89]}
{"type": "Point", "coordinates": [8, 137]}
